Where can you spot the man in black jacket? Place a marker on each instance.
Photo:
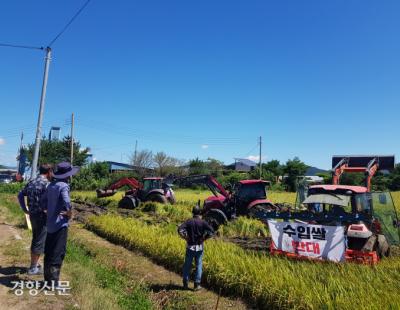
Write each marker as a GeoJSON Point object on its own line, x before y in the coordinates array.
{"type": "Point", "coordinates": [195, 231]}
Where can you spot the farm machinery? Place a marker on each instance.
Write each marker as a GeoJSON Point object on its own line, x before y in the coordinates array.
{"type": "Point", "coordinates": [247, 197]}
{"type": "Point", "coordinates": [369, 219]}
{"type": "Point", "coordinates": [154, 189]}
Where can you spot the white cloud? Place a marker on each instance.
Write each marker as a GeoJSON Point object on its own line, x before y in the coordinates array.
{"type": "Point", "coordinates": [2, 141]}
{"type": "Point", "coordinates": [204, 146]}
{"type": "Point", "coordinates": [256, 158]}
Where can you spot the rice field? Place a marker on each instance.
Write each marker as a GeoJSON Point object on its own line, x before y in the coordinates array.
{"type": "Point", "coordinates": [396, 200]}
{"type": "Point", "coordinates": [267, 281]}
{"type": "Point", "coordinates": [186, 199]}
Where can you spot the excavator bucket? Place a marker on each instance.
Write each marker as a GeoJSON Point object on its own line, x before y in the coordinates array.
{"type": "Point", "coordinates": [105, 193]}
{"type": "Point", "coordinates": [385, 162]}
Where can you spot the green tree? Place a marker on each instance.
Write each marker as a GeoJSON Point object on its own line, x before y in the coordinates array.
{"type": "Point", "coordinates": [91, 177]}
{"type": "Point", "coordinates": [326, 176]}
{"type": "Point", "coordinates": [232, 178]}
{"type": "Point", "coordinates": [293, 169]}
{"type": "Point", "coordinates": [214, 166]}
{"type": "Point", "coordinates": [274, 167]}
{"type": "Point", "coordinates": [166, 164]}
{"type": "Point", "coordinates": [198, 166]}
{"type": "Point", "coordinates": [143, 161]}
{"type": "Point", "coordinates": [53, 152]}
{"type": "Point", "coordinates": [394, 179]}
{"type": "Point", "coordinates": [356, 179]}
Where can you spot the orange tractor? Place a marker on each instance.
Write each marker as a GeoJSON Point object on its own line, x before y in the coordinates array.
{"type": "Point", "coordinates": [154, 189]}
{"type": "Point", "coordinates": [369, 218]}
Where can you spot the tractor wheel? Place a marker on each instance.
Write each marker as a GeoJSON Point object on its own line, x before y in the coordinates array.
{"type": "Point", "coordinates": [214, 219]}
{"type": "Point", "coordinates": [157, 198]}
{"type": "Point", "coordinates": [129, 202]}
{"type": "Point", "coordinates": [172, 199]}
{"type": "Point", "coordinates": [383, 247]}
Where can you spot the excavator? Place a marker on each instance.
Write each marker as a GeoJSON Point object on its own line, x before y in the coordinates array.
{"type": "Point", "coordinates": [154, 189]}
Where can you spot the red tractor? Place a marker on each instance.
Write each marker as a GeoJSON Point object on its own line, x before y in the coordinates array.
{"type": "Point", "coordinates": [153, 189]}
{"type": "Point", "coordinates": [369, 218]}
{"type": "Point", "coordinates": [246, 198]}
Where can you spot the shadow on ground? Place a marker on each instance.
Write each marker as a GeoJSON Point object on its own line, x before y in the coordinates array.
{"type": "Point", "coordinates": [165, 287]}
{"type": "Point", "coordinates": [6, 271]}
{"type": "Point", "coordinates": [10, 274]}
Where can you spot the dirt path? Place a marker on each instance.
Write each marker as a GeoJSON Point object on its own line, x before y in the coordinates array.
{"type": "Point", "coordinates": [14, 251]}
{"type": "Point", "coordinates": [163, 284]}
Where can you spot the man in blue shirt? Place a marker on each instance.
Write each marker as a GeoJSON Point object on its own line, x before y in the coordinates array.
{"type": "Point", "coordinates": [57, 203]}
{"type": "Point", "coordinates": [34, 191]}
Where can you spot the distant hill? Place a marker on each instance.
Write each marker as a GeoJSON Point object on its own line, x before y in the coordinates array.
{"type": "Point", "coordinates": [7, 167]}
{"type": "Point", "coordinates": [315, 171]}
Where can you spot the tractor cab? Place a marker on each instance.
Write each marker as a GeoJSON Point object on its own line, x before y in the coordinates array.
{"type": "Point", "coordinates": [384, 211]}
{"type": "Point", "coordinates": [248, 191]}
{"type": "Point", "coordinates": [152, 183]}
{"type": "Point", "coordinates": [160, 185]}
{"type": "Point", "coordinates": [340, 203]}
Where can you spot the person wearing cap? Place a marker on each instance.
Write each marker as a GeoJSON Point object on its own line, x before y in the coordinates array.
{"type": "Point", "coordinates": [195, 231]}
{"type": "Point", "coordinates": [56, 201]}
{"type": "Point", "coordinates": [34, 191]}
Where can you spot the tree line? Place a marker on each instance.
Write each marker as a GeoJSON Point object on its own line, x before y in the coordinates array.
{"type": "Point", "coordinates": [283, 176]}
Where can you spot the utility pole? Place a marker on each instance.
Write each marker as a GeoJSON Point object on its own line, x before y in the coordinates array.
{"type": "Point", "coordinates": [41, 110]}
{"type": "Point", "coordinates": [19, 158]}
{"type": "Point", "coordinates": [260, 161]}
{"type": "Point", "coordinates": [135, 154]}
{"type": "Point", "coordinates": [72, 139]}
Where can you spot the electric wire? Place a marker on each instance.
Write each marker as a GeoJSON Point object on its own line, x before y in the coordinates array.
{"type": "Point", "coordinates": [249, 152]}
{"type": "Point", "coordinates": [21, 46]}
{"type": "Point", "coordinates": [16, 131]}
{"type": "Point", "coordinates": [69, 23]}
{"type": "Point", "coordinates": [165, 136]}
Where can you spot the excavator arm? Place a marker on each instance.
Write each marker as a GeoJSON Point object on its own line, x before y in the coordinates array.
{"type": "Point", "coordinates": [208, 180]}
{"type": "Point", "coordinates": [112, 189]}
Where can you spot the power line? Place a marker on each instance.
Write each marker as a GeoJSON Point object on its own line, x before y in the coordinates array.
{"type": "Point", "coordinates": [29, 127]}
{"type": "Point", "coordinates": [69, 23]}
{"type": "Point", "coordinates": [125, 131]}
{"type": "Point", "coordinates": [162, 136]}
{"type": "Point", "coordinates": [249, 152]}
{"type": "Point", "coordinates": [21, 46]}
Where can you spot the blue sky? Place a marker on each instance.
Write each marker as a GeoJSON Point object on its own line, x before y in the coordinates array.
{"type": "Point", "coordinates": [206, 78]}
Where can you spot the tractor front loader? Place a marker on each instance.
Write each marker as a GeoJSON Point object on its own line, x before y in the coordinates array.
{"type": "Point", "coordinates": [246, 198]}
{"type": "Point", "coordinates": [152, 189]}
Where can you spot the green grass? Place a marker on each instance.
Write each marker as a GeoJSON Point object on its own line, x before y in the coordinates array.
{"type": "Point", "coordinates": [100, 287]}
{"type": "Point", "coordinates": [14, 214]}
{"type": "Point", "coordinates": [94, 286]}
{"type": "Point", "coordinates": [268, 281]}
{"type": "Point", "coordinates": [11, 188]}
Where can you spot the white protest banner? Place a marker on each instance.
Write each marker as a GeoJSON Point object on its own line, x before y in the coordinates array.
{"type": "Point", "coordinates": [314, 241]}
